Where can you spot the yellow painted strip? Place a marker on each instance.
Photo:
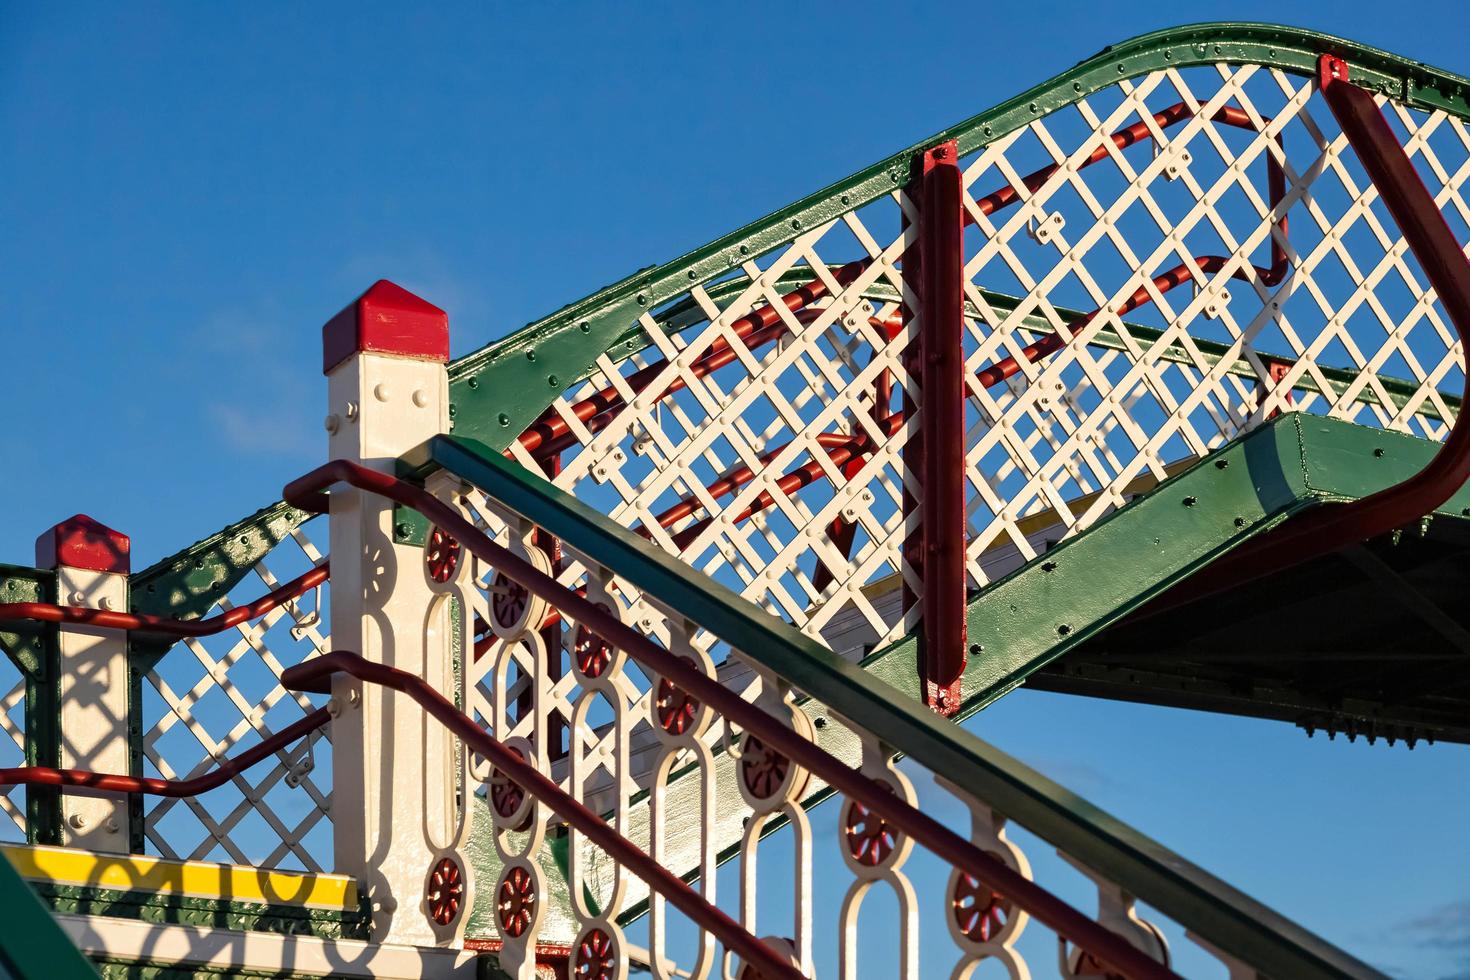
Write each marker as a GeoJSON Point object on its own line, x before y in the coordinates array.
{"type": "Point", "coordinates": [197, 879]}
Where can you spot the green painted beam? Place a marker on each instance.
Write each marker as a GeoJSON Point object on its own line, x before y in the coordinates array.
{"type": "Point", "coordinates": [25, 643]}
{"type": "Point", "coordinates": [1267, 477]}
{"type": "Point", "coordinates": [499, 389]}
{"type": "Point", "coordinates": [32, 944]}
{"type": "Point", "coordinates": [186, 584]}
{"type": "Point", "coordinates": [1046, 608]}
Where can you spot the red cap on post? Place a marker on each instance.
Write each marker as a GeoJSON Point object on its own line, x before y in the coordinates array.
{"type": "Point", "coordinates": [80, 542]}
{"type": "Point", "coordinates": [387, 319]}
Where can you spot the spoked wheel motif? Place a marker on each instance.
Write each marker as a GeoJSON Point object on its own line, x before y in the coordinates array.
{"type": "Point", "coordinates": [508, 602]}
{"type": "Point", "coordinates": [445, 892]}
{"type": "Point", "coordinates": [762, 768]}
{"type": "Point", "coordinates": [441, 555]}
{"type": "Point", "coordinates": [595, 957]}
{"type": "Point", "coordinates": [871, 840]}
{"type": "Point", "coordinates": [979, 913]}
{"type": "Point", "coordinates": [515, 903]}
{"type": "Point", "coordinates": [508, 797]}
{"type": "Point", "coordinates": [592, 653]}
{"type": "Point", "coordinates": [675, 707]}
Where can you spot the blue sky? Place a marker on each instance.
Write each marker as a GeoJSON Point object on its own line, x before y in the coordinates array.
{"type": "Point", "coordinates": [187, 192]}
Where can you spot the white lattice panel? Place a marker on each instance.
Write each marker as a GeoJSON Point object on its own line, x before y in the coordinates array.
{"type": "Point", "coordinates": [12, 750]}
{"type": "Point", "coordinates": [211, 698]}
{"type": "Point", "coordinates": [1138, 231]}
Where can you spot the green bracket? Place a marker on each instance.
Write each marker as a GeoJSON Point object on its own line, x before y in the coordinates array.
{"type": "Point", "coordinates": [32, 945]}
{"type": "Point", "coordinates": [188, 583]}
{"type": "Point", "coordinates": [1035, 615]}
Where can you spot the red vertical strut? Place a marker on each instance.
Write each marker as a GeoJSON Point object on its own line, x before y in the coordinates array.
{"type": "Point", "coordinates": [942, 423]}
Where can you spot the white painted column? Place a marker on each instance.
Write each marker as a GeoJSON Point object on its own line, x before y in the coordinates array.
{"type": "Point", "coordinates": [91, 562]}
{"type": "Point", "coordinates": [392, 797]}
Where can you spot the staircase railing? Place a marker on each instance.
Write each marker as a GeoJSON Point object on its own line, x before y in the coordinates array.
{"type": "Point", "coordinates": [666, 744]}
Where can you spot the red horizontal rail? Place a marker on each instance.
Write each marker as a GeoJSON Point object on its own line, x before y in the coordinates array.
{"type": "Point", "coordinates": [309, 494]}
{"type": "Point", "coordinates": [116, 783]}
{"type": "Point", "coordinates": [46, 612]}
{"type": "Point", "coordinates": [315, 675]}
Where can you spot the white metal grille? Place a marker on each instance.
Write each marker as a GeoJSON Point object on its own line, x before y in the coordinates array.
{"type": "Point", "coordinates": [211, 698]}
{"type": "Point", "coordinates": [12, 750]}
{"type": "Point", "coordinates": [1344, 326]}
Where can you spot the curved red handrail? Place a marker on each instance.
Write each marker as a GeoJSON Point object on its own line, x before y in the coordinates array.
{"type": "Point", "coordinates": [1324, 529]}
{"type": "Point", "coordinates": [147, 625]}
{"type": "Point", "coordinates": [175, 788]}
{"type": "Point", "coordinates": [308, 493]}
{"type": "Point", "coordinates": [315, 675]}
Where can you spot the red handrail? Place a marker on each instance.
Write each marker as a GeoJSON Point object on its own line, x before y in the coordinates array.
{"type": "Point", "coordinates": [315, 675]}
{"type": "Point", "coordinates": [144, 624]}
{"type": "Point", "coordinates": [117, 783]}
{"type": "Point", "coordinates": [308, 493]}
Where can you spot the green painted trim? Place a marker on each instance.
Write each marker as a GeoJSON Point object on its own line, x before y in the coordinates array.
{"type": "Point", "coordinates": [25, 643]}
{"type": "Point", "coordinates": [148, 906]}
{"type": "Point", "coordinates": [32, 944]}
{"type": "Point", "coordinates": [1039, 612]}
{"type": "Point", "coordinates": [1194, 898]}
{"type": "Point", "coordinates": [1047, 607]}
{"type": "Point", "coordinates": [185, 585]}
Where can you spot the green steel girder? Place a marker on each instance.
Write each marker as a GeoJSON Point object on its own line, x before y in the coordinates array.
{"type": "Point", "coordinates": [1268, 481]}
{"type": "Point", "coordinates": [32, 944]}
{"type": "Point", "coordinates": [26, 643]}
{"type": "Point", "coordinates": [499, 389]}
{"type": "Point", "coordinates": [1049, 606]}
{"type": "Point", "coordinates": [161, 908]}
{"type": "Point", "coordinates": [187, 584]}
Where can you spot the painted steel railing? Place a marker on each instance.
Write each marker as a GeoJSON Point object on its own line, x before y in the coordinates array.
{"type": "Point", "coordinates": [642, 638]}
{"type": "Point", "coordinates": [778, 761]}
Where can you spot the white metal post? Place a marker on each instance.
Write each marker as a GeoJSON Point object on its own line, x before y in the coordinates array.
{"type": "Point", "coordinates": [92, 563]}
{"type": "Point", "coordinates": [384, 357]}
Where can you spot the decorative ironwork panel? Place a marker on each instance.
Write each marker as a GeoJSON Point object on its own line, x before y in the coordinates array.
{"type": "Point", "coordinates": [209, 698]}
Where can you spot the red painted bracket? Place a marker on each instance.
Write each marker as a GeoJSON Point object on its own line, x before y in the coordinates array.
{"type": "Point", "coordinates": [942, 424]}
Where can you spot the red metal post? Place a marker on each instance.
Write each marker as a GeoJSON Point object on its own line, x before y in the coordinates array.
{"type": "Point", "coordinates": [941, 457]}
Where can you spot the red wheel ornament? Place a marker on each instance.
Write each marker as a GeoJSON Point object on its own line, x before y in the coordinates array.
{"type": "Point", "coordinates": [592, 653]}
{"type": "Point", "coordinates": [508, 602]}
{"type": "Point", "coordinates": [763, 770]}
{"type": "Point", "coordinates": [441, 555]}
{"type": "Point", "coordinates": [515, 902]}
{"type": "Point", "coordinates": [979, 913]}
{"type": "Point", "coordinates": [508, 797]}
{"type": "Point", "coordinates": [595, 957]}
{"type": "Point", "coordinates": [871, 840]}
{"type": "Point", "coordinates": [674, 707]}
{"type": "Point", "coordinates": [445, 892]}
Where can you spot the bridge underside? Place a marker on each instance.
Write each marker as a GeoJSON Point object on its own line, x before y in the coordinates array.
{"type": "Point", "coordinates": [1368, 640]}
{"type": "Point", "coordinates": [1371, 641]}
